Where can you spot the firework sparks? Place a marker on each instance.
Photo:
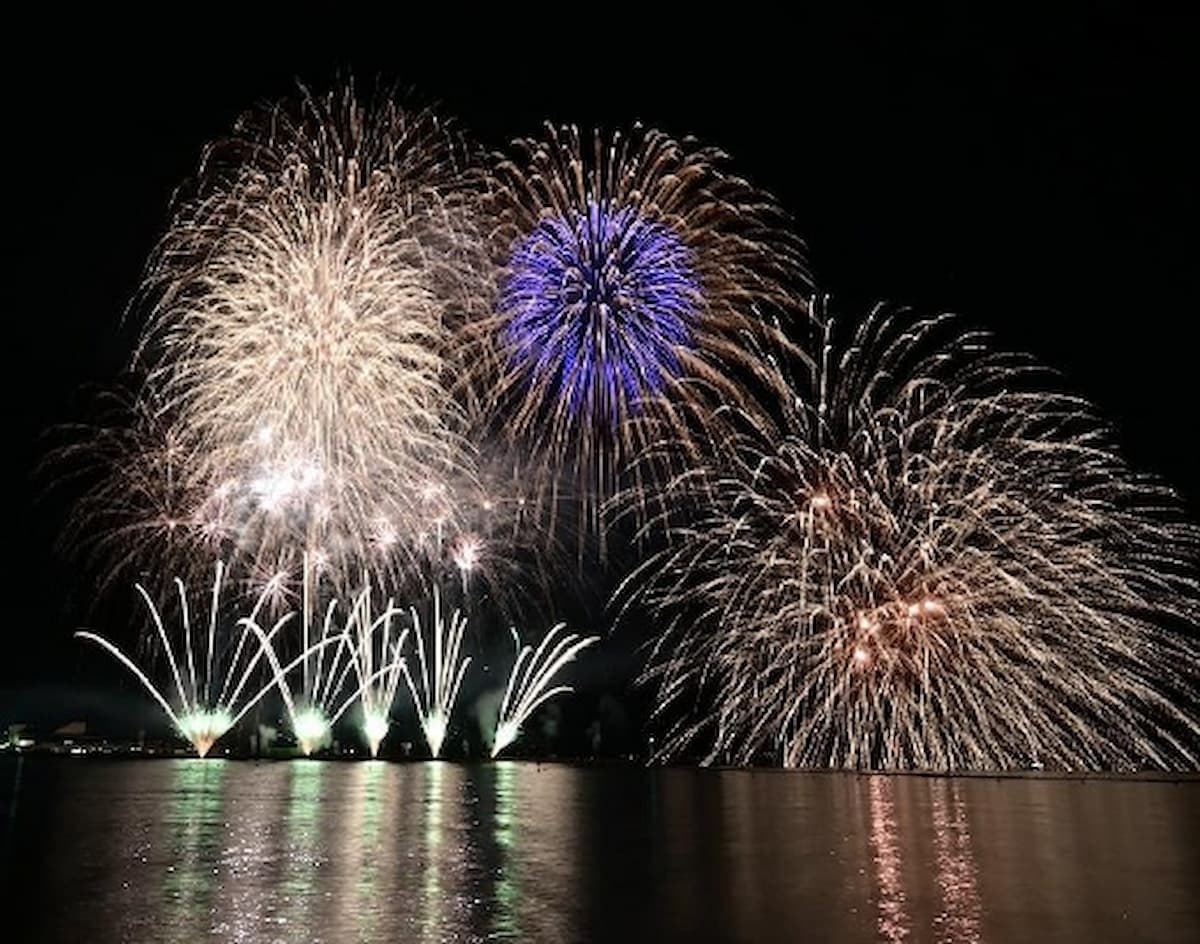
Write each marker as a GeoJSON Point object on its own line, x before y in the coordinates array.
{"type": "Point", "coordinates": [529, 682]}
{"type": "Point", "coordinates": [442, 667]}
{"type": "Point", "coordinates": [477, 531]}
{"type": "Point", "coordinates": [633, 269]}
{"type": "Point", "coordinates": [329, 655]}
{"type": "Point", "coordinates": [136, 509]}
{"type": "Point", "coordinates": [926, 563]}
{"type": "Point", "coordinates": [378, 664]}
{"type": "Point", "coordinates": [300, 305]}
{"type": "Point", "coordinates": [212, 670]}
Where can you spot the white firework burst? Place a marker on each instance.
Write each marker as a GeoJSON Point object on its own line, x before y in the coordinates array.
{"type": "Point", "coordinates": [300, 307]}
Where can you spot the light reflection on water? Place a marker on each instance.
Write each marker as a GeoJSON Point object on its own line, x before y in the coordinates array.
{"type": "Point", "coordinates": [189, 891]}
{"type": "Point", "coordinates": [958, 921]}
{"type": "Point", "coordinates": [505, 923]}
{"type": "Point", "coordinates": [191, 850]}
{"type": "Point", "coordinates": [893, 908]}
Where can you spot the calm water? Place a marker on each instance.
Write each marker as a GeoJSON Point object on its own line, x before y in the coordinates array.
{"type": "Point", "coordinates": [190, 850]}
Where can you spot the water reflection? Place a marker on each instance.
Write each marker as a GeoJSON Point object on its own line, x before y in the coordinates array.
{"type": "Point", "coordinates": [958, 922]}
{"type": "Point", "coordinates": [333, 852]}
{"type": "Point", "coordinates": [507, 889]}
{"type": "Point", "coordinates": [364, 840]}
{"type": "Point", "coordinates": [253, 851]}
{"type": "Point", "coordinates": [893, 919]}
{"type": "Point", "coordinates": [303, 858]}
{"type": "Point", "coordinates": [432, 903]}
{"type": "Point", "coordinates": [190, 880]}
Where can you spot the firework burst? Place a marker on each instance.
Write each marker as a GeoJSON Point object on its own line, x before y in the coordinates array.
{"type": "Point", "coordinates": [299, 308]}
{"type": "Point", "coordinates": [633, 270]}
{"type": "Point", "coordinates": [926, 561]}
{"type": "Point", "coordinates": [135, 510]}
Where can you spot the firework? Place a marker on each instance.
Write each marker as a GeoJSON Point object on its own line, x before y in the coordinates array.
{"type": "Point", "coordinates": [442, 667]}
{"type": "Point", "coordinates": [483, 532]}
{"type": "Point", "coordinates": [633, 269]}
{"type": "Point", "coordinates": [377, 659]}
{"type": "Point", "coordinates": [926, 561]}
{"type": "Point", "coordinates": [329, 654]}
{"type": "Point", "coordinates": [528, 685]}
{"type": "Point", "coordinates": [212, 671]}
{"type": "Point", "coordinates": [298, 315]}
{"type": "Point", "coordinates": [134, 507]}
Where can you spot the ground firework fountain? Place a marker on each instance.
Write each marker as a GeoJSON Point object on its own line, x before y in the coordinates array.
{"type": "Point", "coordinates": [442, 667]}
{"type": "Point", "coordinates": [529, 682]}
{"type": "Point", "coordinates": [211, 672]}
{"type": "Point", "coordinates": [329, 656]}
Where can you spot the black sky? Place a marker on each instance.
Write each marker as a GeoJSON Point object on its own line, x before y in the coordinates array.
{"type": "Point", "coordinates": [1037, 177]}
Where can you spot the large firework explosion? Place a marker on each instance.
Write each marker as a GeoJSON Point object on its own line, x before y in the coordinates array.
{"type": "Point", "coordinates": [296, 342]}
{"type": "Point", "coordinates": [908, 555]}
{"type": "Point", "coordinates": [924, 560]}
{"type": "Point", "coordinates": [633, 270]}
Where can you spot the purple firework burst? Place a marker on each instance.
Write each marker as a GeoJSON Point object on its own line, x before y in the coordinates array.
{"type": "Point", "coordinates": [596, 307]}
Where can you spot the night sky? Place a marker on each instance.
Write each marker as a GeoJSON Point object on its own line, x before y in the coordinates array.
{"type": "Point", "coordinates": [1038, 178]}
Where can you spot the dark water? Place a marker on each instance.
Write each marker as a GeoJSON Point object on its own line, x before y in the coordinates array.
{"type": "Point", "coordinates": [190, 850]}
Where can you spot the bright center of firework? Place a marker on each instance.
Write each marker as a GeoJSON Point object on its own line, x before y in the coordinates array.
{"type": "Point", "coordinates": [435, 732]}
{"type": "Point", "coordinates": [311, 729]}
{"type": "Point", "coordinates": [204, 728]}
{"type": "Point", "coordinates": [385, 535]}
{"type": "Point", "coordinates": [506, 733]}
{"type": "Point", "coordinates": [279, 484]}
{"type": "Point", "coordinates": [467, 553]}
{"type": "Point", "coordinates": [375, 727]}
{"type": "Point", "coordinates": [598, 305]}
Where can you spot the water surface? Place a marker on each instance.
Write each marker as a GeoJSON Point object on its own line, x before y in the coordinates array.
{"type": "Point", "coordinates": [190, 850]}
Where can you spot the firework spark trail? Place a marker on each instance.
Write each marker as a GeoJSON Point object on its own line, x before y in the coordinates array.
{"type": "Point", "coordinates": [329, 653]}
{"type": "Point", "coordinates": [633, 269]}
{"type": "Point", "coordinates": [377, 657]}
{"type": "Point", "coordinates": [925, 561]}
{"type": "Point", "coordinates": [490, 539]}
{"type": "Point", "coordinates": [442, 669]}
{"type": "Point", "coordinates": [529, 682]}
{"type": "Point", "coordinates": [300, 308]}
{"type": "Point", "coordinates": [210, 691]}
